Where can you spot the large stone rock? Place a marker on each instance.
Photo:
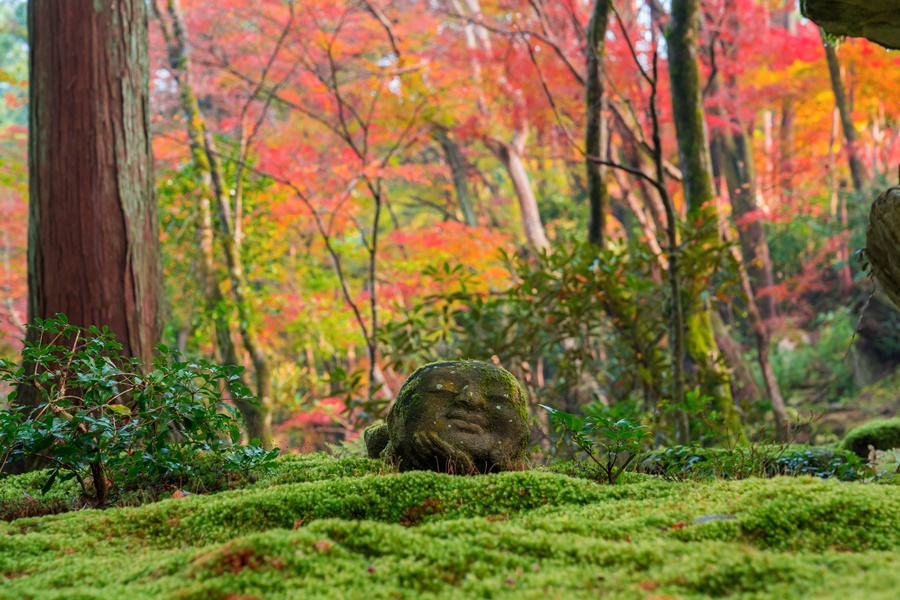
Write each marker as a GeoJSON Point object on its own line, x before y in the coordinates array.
{"type": "Point", "coordinates": [883, 242]}
{"type": "Point", "coordinates": [875, 20]}
{"type": "Point", "coordinates": [459, 417]}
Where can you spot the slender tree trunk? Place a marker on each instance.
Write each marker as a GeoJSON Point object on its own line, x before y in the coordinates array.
{"type": "Point", "coordinates": [596, 132]}
{"type": "Point", "coordinates": [482, 35]}
{"type": "Point", "coordinates": [754, 263]}
{"type": "Point", "coordinates": [93, 251]}
{"type": "Point", "coordinates": [770, 178]}
{"type": "Point", "coordinates": [832, 166]}
{"type": "Point", "coordinates": [457, 163]}
{"type": "Point", "coordinates": [209, 177]}
{"type": "Point", "coordinates": [736, 158]}
{"type": "Point", "coordinates": [838, 202]}
{"type": "Point", "coordinates": [511, 155]}
{"type": "Point", "coordinates": [261, 425]}
{"type": "Point", "coordinates": [857, 171]}
{"type": "Point", "coordinates": [648, 227]}
{"type": "Point", "coordinates": [693, 150]}
{"type": "Point", "coordinates": [761, 334]}
{"type": "Point", "coordinates": [744, 386]}
{"type": "Point", "coordinates": [788, 21]}
{"type": "Point", "coordinates": [753, 260]}
{"type": "Point", "coordinates": [652, 200]}
{"type": "Point", "coordinates": [786, 141]}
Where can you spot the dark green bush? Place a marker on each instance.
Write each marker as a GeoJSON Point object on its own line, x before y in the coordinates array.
{"type": "Point", "coordinates": [882, 434]}
{"type": "Point", "coordinates": [109, 423]}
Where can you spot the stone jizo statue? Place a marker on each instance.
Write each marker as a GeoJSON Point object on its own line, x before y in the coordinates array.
{"type": "Point", "coordinates": [461, 417]}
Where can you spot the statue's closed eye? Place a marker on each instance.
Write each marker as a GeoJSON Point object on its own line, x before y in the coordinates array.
{"type": "Point", "coordinates": [442, 394]}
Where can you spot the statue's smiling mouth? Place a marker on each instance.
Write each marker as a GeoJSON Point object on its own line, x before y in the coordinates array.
{"type": "Point", "coordinates": [466, 421]}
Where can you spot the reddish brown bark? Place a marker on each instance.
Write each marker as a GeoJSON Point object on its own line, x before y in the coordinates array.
{"type": "Point", "coordinates": [93, 249]}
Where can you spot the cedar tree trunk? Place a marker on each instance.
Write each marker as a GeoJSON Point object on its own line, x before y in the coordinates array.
{"type": "Point", "coordinates": [93, 247]}
{"type": "Point", "coordinates": [736, 158]}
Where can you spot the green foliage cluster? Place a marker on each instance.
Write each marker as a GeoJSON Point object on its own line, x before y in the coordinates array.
{"type": "Point", "coordinates": [680, 463]}
{"type": "Point", "coordinates": [108, 422]}
{"type": "Point", "coordinates": [881, 434]}
{"type": "Point", "coordinates": [620, 441]}
{"type": "Point", "coordinates": [345, 531]}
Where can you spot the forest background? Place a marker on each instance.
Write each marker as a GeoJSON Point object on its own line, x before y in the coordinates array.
{"type": "Point", "coordinates": [348, 190]}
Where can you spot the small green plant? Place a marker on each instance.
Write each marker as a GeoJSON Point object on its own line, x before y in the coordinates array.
{"type": "Point", "coordinates": [101, 418]}
{"type": "Point", "coordinates": [620, 441]}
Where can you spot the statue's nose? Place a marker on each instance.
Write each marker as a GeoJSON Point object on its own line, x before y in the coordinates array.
{"type": "Point", "coordinates": [470, 398]}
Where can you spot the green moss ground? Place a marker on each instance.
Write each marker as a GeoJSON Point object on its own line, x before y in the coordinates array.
{"type": "Point", "coordinates": [322, 527]}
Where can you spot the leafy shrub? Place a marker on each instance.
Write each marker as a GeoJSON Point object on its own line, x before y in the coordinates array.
{"type": "Point", "coordinates": [680, 463]}
{"type": "Point", "coordinates": [882, 434]}
{"type": "Point", "coordinates": [104, 420]}
{"type": "Point", "coordinates": [620, 441]}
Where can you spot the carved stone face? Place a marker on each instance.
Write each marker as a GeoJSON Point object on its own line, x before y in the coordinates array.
{"type": "Point", "coordinates": [459, 417]}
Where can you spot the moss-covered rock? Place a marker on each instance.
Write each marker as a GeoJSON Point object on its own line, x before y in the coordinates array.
{"type": "Point", "coordinates": [376, 438]}
{"type": "Point", "coordinates": [882, 434]}
{"type": "Point", "coordinates": [455, 417]}
{"type": "Point", "coordinates": [876, 20]}
{"type": "Point", "coordinates": [883, 231]}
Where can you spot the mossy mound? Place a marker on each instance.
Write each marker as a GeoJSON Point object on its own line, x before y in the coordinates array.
{"type": "Point", "coordinates": [882, 434]}
{"type": "Point", "coordinates": [322, 527]}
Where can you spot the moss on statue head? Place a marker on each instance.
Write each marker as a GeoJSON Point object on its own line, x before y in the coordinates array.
{"type": "Point", "coordinates": [483, 373]}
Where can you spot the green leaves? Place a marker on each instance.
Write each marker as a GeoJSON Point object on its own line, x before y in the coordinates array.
{"type": "Point", "coordinates": [617, 439]}
{"type": "Point", "coordinates": [50, 480]}
{"type": "Point", "coordinates": [120, 410]}
{"type": "Point", "coordinates": [98, 412]}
